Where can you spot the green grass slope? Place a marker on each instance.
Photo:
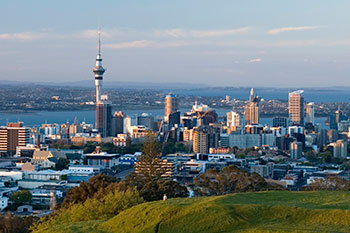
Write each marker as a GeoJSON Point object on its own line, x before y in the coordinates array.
{"type": "Point", "coordinates": [245, 212]}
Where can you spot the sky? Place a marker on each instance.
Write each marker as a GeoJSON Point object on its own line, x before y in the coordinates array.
{"type": "Point", "coordinates": [267, 43]}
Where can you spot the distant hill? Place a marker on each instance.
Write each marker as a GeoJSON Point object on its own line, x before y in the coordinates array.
{"type": "Point", "coordinates": [278, 211]}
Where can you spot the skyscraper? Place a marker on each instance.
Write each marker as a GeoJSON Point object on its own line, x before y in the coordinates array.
{"type": "Point", "coordinates": [252, 109]}
{"type": "Point", "coordinates": [171, 105]}
{"type": "Point", "coordinates": [296, 108]}
{"type": "Point", "coordinates": [118, 123]}
{"type": "Point", "coordinates": [205, 137]}
{"type": "Point", "coordinates": [233, 119]}
{"type": "Point", "coordinates": [103, 107]}
{"type": "Point", "coordinates": [13, 135]}
{"type": "Point", "coordinates": [310, 113]}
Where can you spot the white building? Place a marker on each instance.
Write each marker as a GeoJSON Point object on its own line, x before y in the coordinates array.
{"type": "Point", "coordinates": [85, 168]}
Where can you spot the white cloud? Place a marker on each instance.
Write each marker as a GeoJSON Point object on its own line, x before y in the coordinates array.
{"type": "Point", "coordinates": [255, 60]}
{"type": "Point", "coordinates": [145, 44]}
{"type": "Point", "coordinates": [276, 31]}
{"type": "Point", "coordinates": [182, 33]}
{"type": "Point", "coordinates": [22, 36]}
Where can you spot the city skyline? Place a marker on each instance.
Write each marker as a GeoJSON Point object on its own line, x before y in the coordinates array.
{"type": "Point", "coordinates": [235, 43]}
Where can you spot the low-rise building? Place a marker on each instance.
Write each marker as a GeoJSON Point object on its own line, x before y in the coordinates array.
{"type": "Point", "coordinates": [164, 166]}
{"type": "Point", "coordinates": [102, 159]}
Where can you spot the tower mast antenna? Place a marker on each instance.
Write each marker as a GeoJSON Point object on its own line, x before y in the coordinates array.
{"type": "Point", "coordinates": [99, 40]}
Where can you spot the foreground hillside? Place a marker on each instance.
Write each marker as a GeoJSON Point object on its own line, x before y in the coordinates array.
{"type": "Point", "coordinates": [245, 212]}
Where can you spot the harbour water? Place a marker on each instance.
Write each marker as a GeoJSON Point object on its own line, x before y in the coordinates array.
{"type": "Point", "coordinates": [35, 119]}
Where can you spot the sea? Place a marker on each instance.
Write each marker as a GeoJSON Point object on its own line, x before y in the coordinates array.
{"type": "Point", "coordinates": [35, 119]}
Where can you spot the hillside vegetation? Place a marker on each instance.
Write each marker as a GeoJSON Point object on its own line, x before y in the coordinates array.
{"type": "Point", "coordinates": [277, 211]}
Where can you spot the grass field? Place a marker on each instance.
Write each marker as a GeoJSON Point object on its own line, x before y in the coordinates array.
{"type": "Point", "coordinates": [279, 211]}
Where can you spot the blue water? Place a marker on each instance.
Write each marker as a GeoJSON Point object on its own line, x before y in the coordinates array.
{"type": "Point", "coordinates": [35, 119]}
{"type": "Point", "coordinates": [310, 95]}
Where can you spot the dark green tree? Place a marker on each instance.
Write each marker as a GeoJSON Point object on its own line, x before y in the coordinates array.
{"type": "Point", "coordinates": [230, 180]}
{"type": "Point", "coordinates": [88, 189]}
{"type": "Point", "coordinates": [21, 197]}
{"type": "Point", "coordinates": [61, 164]}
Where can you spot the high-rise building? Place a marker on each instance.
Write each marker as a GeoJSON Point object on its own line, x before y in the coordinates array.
{"type": "Point", "coordinates": [174, 118]}
{"type": "Point", "coordinates": [339, 116]}
{"type": "Point", "coordinates": [118, 123]}
{"type": "Point", "coordinates": [296, 108]}
{"type": "Point", "coordinates": [339, 149]}
{"type": "Point", "coordinates": [104, 118]}
{"type": "Point", "coordinates": [252, 95]}
{"type": "Point", "coordinates": [205, 137]}
{"type": "Point", "coordinates": [310, 113]}
{"type": "Point", "coordinates": [171, 105]}
{"type": "Point", "coordinates": [127, 125]}
{"type": "Point", "coordinates": [146, 120]}
{"type": "Point", "coordinates": [103, 107]}
{"type": "Point", "coordinates": [13, 135]}
{"type": "Point", "coordinates": [296, 149]}
{"type": "Point", "coordinates": [233, 119]}
{"type": "Point", "coordinates": [279, 122]}
{"type": "Point", "coordinates": [252, 109]}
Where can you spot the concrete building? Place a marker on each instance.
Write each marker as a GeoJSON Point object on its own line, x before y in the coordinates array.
{"type": "Point", "coordinates": [251, 111]}
{"type": "Point", "coordinates": [118, 123]}
{"type": "Point", "coordinates": [296, 149]}
{"type": "Point", "coordinates": [296, 108]}
{"type": "Point", "coordinates": [279, 122]}
{"type": "Point", "coordinates": [265, 171]}
{"type": "Point", "coordinates": [164, 166]}
{"type": "Point", "coordinates": [339, 149]}
{"type": "Point", "coordinates": [146, 120]}
{"type": "Point", "coordinates": [102, 159]}
{"type": "Point", "coordinates": [205, 137]}
{"type": "Point", "coordinates": [171, 105]}
{"type": "Point", "coordinates": [12, 136]}
{"type": "Point", "coordinates": [104, 118]}
{"type": "Point", "coordinates": [310, 113]}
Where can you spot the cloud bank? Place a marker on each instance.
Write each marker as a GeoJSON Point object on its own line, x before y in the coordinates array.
{"type": "Point", "coordinates": [276, 31]}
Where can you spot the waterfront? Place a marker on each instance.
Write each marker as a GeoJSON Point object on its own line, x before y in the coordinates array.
{"type": "Point", "coordinates": [35, 119]}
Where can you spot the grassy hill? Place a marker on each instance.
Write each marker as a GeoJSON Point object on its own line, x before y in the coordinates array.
{"type": "Point", "coordinates": [245, 212]}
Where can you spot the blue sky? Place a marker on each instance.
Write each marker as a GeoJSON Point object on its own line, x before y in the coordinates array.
{"type": "Point", "coordinates": [278, 43]}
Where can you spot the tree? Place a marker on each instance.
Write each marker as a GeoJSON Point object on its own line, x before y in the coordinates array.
{"type": "Point", "coordinates": [330, 184]}
{"type": "Point", "coordinates": [12, 224]}
{"type": "Point", "coordinates": [150, 179]}
{"type": "Point", "coordinates": [230, 180]}
{"type": "Point", "coordinates": [89, 148]}
{"type": "Point", "coordinates": [326, 157]}
{"type": "Point", "coordinates": [241, 156]}
{"type": "Point", "coordinates": [311, 156]}
{"type": "Point", "coordinates": [61, 164]}
{"type": "Point", "coordinates": [154, 190]}
{"type": "Point", "coordinates": [151, 146]}
{"type": "Point", "coordinates": [21, 197]}
{"type": "Point", "coordinates": [88, 189]}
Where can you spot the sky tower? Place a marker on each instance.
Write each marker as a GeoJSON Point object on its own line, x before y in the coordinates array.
{"type": "Point", "coordinates": [98, 70]}
{"type": "Point", "coordinates": [103, 107]}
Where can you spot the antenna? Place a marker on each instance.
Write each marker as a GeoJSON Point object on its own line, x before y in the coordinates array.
{"type": "Point", "coordinates": [99, 40]}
